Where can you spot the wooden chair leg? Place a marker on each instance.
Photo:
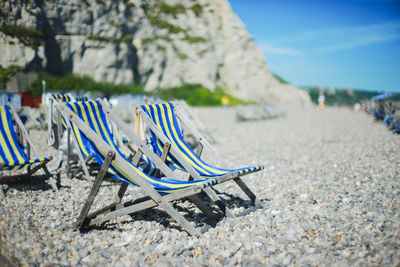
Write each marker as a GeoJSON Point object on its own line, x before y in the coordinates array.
{"type": "Point", "coordinates": [202, 206]}
{"type": "Point", "coordinates": [121, 192]}
{"type": "Point", "coordinates": [136, 158]}
{"type": "Point", "coordinates": [254, 199]}
{"type": "Point", "coordinates": [215, 198]}
{"type": "Point", "coordinates": [81, 222]}
{"type": "Point", "coordinates": [147, 203]}
{"type": "Point", "coordinates": [199, 149]}
{"type": "Point", "coordinates": [1, 192]}
{"type": "Point", "coordinates": [80, 167]}
{"type": "Point", "coordinates": [53, 182]}
{"type": "Point", "coordinates": [83, 162]}
{"type": "Point", "coordinates": [120, 195]}
{"type": "Point", "coordinates": [68, 153]}
{"type": "Point", "coordinates": [179, 218]}
{"type": "Point", "coordinates": [164, 155]}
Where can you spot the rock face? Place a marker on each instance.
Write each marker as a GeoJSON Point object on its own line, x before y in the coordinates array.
{"type": "Point", "coordinates": [154, 43]}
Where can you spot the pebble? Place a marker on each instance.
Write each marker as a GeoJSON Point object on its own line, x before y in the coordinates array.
{"type": "Point", "coordinates": [84, 252]}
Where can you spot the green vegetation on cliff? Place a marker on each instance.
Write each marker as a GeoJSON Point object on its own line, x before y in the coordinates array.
{"type": "Point", "coordinates": [194, 39]}
{"type": "Point", "coordinates": [198, 95]}
{"type": "Point", "coordinates": [156, 21]}
{"type": "Point", "coordinates": [280, 79]}
{"type": "Point", "coordinates": [172, 9]}
{"type": "Point", "coordinates": [72, 82]}
{"type": "Point", "coordinates": [194, 94]}
{"type": "Point", "coordinates": [124, 39]}
{"type": "Point", "coordinates": [156, 13]}
{"type": "Point", "coordinates": [5, 74]}
{"type": "Point", "coordinates": [25, 35]}
{"type": "Point", "coordinates": [197, 9]}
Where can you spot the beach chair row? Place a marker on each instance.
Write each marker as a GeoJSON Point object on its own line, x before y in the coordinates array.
{"type": "Point", "coordinates": [95, 130]}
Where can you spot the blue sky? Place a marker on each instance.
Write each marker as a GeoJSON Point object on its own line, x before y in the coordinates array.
{"type": "Point", "coordinates": [343, 44]}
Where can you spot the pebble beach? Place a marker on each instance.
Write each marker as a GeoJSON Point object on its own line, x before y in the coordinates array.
{"type": "Point", "coordinates": [330, 190]}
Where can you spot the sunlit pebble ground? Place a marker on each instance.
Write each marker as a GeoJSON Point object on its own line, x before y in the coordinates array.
{"type": "Point", "coordinates": [330, 189]}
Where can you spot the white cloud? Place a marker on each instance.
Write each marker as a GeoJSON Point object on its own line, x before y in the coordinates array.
{"type": "Point", "coordinates": [367, 40]}
{"type": "Point", "coordinates": [270, 49]}
{"type": "Point", "coordinates": [334, 39]}
{"type": "Point", "coordinates": [352, 37]}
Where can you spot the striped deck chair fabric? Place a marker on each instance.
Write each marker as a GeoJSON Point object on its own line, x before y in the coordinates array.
{"type": "Point", "coordinates": [61, 97]}
{"type": "Point", "coordinates": [92, 114]}
{"type": "Point", "coordinates": [65, 97]}
{"type": "Point", "coordinates": [12, 156]}
{"type": "Point", "coordinates": [144, 164]}
{"type": "Point", "coordinates": [81, 98]}
{"type": "Point", "coordinates": [165, 119]}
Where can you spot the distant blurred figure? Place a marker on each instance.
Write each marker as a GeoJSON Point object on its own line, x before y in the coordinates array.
{"type": "Point", "coordinates": [321, 100]}
{"type": "Point", "coordinates": [357, 107]}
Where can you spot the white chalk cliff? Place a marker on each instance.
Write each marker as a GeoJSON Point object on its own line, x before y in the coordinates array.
{"type": "Point", "coordinates": [156, 44]}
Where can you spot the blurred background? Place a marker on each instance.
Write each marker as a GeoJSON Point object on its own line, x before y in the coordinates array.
{"type": "Point", "coordinates": [223, 52]}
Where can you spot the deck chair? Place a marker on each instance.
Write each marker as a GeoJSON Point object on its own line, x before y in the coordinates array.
{"type": "Point", "coordinates": [12, 155]}
{"type": "Point", "coordinates": [164, 127]}
{"type": "Point", "coordinates": [58, 137]}
{"type": "Point", "coordinates": [90, 120]}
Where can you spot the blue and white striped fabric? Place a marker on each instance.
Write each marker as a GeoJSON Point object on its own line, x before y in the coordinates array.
{"type": "Point", "coordinates": [92, 114]}
{"type": "Point", "coordinates": [12, 156]}
{"type": "Point", "coordinates": [164, 117]}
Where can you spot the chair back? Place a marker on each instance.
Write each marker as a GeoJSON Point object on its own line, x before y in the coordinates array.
{"type": "Point", "coordinates": [164, 118]}
{"type": "Point", "coordinates": [11, 153]}
{"type": "Point", "coordinates": [81, 98]}
{"type": "Point", "coordinates": [64, 97]}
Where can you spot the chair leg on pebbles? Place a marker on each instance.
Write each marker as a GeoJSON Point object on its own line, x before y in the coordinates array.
{"type": "Point", "coordinates": [52, 180]}
{"type": "Point", "coordinates": [254, 199]}
{"type": "Point", "coordinates": [1, 192]}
